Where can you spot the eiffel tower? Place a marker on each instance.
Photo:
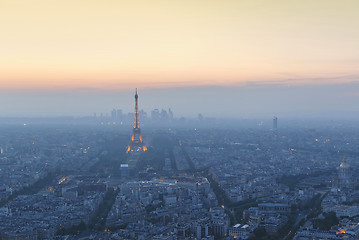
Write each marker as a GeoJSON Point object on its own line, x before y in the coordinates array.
{"type": "Point", "coordinates": [136, 142]}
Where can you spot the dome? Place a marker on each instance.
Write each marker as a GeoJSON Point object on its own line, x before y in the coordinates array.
{"type": "Point", "coordinates": [344, 164]}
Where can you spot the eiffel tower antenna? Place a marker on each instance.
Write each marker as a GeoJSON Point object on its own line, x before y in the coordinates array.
{"type": "Point", "coordinates": [136, 142]}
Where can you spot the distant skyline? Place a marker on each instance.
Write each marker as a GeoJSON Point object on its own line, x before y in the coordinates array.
{"type": "Point", "coordinates": [331, 101]}
{"type": "Point", "coordinates": [79, 57]}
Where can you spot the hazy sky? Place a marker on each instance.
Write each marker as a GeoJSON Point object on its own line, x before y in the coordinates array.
{"type": "Point", "coordinates": [248, 101]}
{"type": "Point", "coordinates": [84, 53]}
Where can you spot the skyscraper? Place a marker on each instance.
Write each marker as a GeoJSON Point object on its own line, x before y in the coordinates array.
{"type": "Point", "coordinates": [275, 123]}
{"type": "Point", "coordinates": [136, 142]}
{"type": "Point", "coordinates": [345, 175]}
{"type": "Point", "coordinates": [155, 114]}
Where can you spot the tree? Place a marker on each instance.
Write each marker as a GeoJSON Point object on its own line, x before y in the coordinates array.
{"type": "Point", "coordinates": [326, 223]}
{"type": "Point", "coordinates": [260, 232]}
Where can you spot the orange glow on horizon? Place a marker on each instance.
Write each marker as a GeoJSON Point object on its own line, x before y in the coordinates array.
{"type": "Point", "coordinates": [123, 44]}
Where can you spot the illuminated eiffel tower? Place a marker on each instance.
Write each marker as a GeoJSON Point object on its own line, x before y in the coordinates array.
{"type": "Point", "coordinates": [136, 143]}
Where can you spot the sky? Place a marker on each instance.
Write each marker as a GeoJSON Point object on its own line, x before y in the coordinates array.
{"type": "Point", "coordinates": [78, 57]}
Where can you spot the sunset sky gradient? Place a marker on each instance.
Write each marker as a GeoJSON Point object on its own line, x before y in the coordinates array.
{"type": "Point", "coordinates": [53, 45]}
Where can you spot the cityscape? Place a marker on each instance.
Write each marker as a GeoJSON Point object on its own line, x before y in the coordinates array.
{"type": "Point", "coordinates": [92, 180]}
{"type": "Point", "coordinates": [179, 120]}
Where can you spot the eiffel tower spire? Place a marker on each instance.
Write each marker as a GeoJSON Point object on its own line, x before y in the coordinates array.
{"type": "Point", "coordinates": [136, 142]}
